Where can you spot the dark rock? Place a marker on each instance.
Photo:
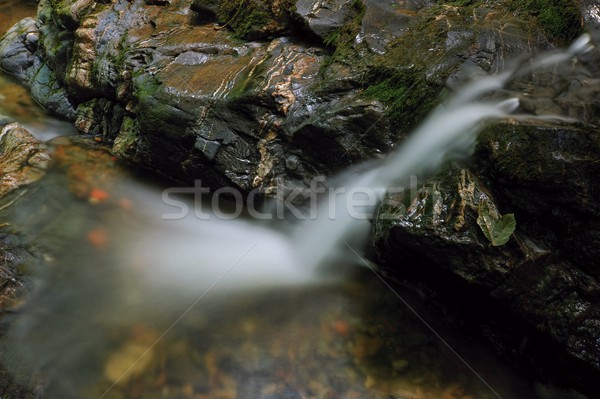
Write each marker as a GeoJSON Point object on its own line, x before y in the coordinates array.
{"type": "Point", "coordinates": [252, 19]}
{"type": "Point", "coordinates": [385, 21]}
{"type": "Point", "coordinates": [16, 57]}
{"type": "Point", "coordinates": [439, 221]}
{"type": "Point", "coordinates": [543, 170]}
{"type": "Point", "coordinates": [47, 90]}
{"type": "Point", "coordinates": [325, 17]}
{"type": "Point", "coordinates": [549, 174]}
{"type": "Point", "coordinates": [547, 272]}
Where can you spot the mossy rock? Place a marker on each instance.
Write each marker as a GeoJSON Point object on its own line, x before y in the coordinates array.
{"type": "Point", "coordinates": [250, 19]}
{"type": "Point", "coordinates": [399, 78]}
{"type": "Point", "coordinates": [66, 13]}
{"type": "Point", "coordinates": [560, 19]}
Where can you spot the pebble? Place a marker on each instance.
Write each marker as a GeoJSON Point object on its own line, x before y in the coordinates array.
{"type": "Point", "coordinates": [32, 38]}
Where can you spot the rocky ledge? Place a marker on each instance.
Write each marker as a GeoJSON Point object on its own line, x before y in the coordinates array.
{"type": "Point", "coordinates": [257, 95]}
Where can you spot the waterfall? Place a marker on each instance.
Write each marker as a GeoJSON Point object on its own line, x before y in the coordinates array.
{"type": "Point", "coordinates": [159, 264]}
{"type": "Point", "coordinates": [280, 254]}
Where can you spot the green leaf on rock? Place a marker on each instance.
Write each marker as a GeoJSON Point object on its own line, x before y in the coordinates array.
{"type": "Point", "coordinates": [496, 228]}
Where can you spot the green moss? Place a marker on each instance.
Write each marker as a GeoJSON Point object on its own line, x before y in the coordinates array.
{"type": "Point", "coordinates": [333, 39]}
{"type": "Point", "coordinates": [342, 40]}
{"type": "Point", "coordinates": [146, 89]}
{"type": "Point", "coordinates": [560, 19]}
{"type": "Point", "coordinates": [399, 80]}
{"type": "Point", "coordinates": [405, 91]}
{"type": "Point", "coordinates": [120, 60]}
{"type": "Point", "coordinates": [243, 16]}
{"type": "Point", "coordinates": [65, 15]}
{"type": "Point", "coordinates": [145, 86]}
{"type": "Point", "coordinates": [246, 18]}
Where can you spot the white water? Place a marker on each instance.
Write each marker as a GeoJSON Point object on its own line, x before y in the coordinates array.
{"type": "Point", "coordinates": [244, 255]}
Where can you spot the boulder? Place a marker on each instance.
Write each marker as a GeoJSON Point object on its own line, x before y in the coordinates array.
{"type": "Point", "coordinates": [325, 17]}
{"type": "Point", "coordinates": [545, 275]}
{"type": "Point", "coordinates": [23, 158]}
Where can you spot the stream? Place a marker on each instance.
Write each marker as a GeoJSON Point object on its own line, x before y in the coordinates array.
{"type": "Point", "coordinates": [93, 328]}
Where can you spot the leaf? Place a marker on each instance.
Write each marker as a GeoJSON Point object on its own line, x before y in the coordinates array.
{"type": "Point", "coordinates": [497, 229]}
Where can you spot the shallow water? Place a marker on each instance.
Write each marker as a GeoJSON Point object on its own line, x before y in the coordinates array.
{"type": "Point", "coordinates": [15, 101]}
{"type": "Point", "coordinates": [91, 317]}
{"type": "Point", "coordinates": [94, 328]}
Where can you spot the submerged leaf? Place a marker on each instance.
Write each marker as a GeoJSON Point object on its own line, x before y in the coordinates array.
{"type": "Point", "coordinates": [504, 229]}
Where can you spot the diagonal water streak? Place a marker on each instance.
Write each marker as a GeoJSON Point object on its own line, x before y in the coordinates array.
{"type": "Point", "coordinates": [450, 129]}
{"type": "Point", "coordinates": [295, 256]}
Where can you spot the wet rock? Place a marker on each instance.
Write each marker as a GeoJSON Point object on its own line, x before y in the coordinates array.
{"type": "Point", "coordinates": [545, 274]}
{"type": "Point", "coordinates": [325, 17]}
{"type": "Point", "coordinates": [270, 95]}
{"type": "Point", "coordinates": [186, 99]}
{"type": "Point", "coordinates": [23, 158]}
{"type": "Point", "coordinates": [47, 90]}
{"type": "Point", "coordinates": [251, 20]}
{"type": "Point", "coordinates": [16, 54]}
{"type": "Point", "coordinates": [549, 174]}
{"type": "Point", "coordinates": [543, 170]}
{"type": "Point", "coordinates": [385, 21]}
{"type": "Point", "coordinates": [18, 58]}
{"type": "Point", "coordinates": [439, 221]}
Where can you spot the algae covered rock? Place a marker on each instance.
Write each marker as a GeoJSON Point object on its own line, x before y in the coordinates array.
{"type": "Point", "coordinates": [250, 19]}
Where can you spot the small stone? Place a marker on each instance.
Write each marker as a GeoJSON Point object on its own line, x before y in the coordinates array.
{"type": "Point", "coordinates": [32, 38]}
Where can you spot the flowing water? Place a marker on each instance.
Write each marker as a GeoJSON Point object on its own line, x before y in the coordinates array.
{"type": "Point", "coordinates": [129, 305]}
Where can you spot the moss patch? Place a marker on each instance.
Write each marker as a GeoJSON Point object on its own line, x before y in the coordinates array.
{"type": "Point", "coordinates": [342, 40]}
{"type": "Point", "coordinates": [560, 19]}
{"type": "Point", "coordinates": [405, 91]}
{"type": "Point", "coordinates": [398, 79]}
{"type": "Point", "coordinates": [252, 19]}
